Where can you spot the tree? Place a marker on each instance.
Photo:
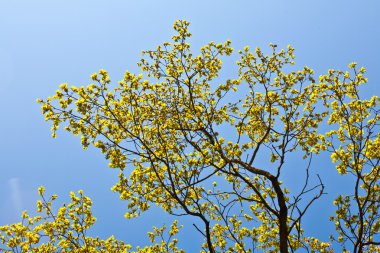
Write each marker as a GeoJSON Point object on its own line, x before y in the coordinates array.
{"type": "Point", "coordinates": [164, 134]}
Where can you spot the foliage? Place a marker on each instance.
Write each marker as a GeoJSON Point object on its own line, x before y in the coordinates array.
{"type": "Point", "coordinates": [64, 231]}
{"type": "Point", "coordinates": [67, 231]}
{"type": "Point", "coordinates": [164, 134]}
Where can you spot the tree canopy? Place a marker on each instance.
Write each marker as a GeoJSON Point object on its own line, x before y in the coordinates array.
{"type": "Point", "coordinates": [194, 145]}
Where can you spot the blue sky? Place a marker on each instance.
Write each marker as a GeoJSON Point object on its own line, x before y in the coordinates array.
{"type": "Point", "coordinates": [46, 43]}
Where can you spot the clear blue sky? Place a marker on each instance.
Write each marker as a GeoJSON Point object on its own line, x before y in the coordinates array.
{"type": "Point", "coordinates": [46, 43]}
